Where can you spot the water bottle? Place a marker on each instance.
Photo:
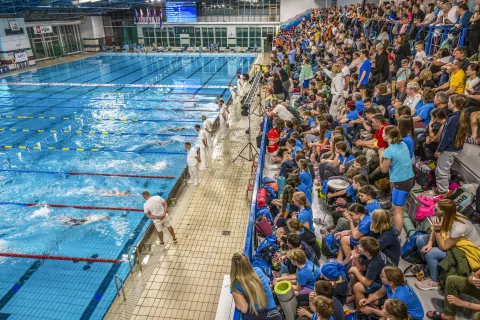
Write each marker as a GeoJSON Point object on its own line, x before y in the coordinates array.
{"type": "Point", "coordinates": [323, 192]}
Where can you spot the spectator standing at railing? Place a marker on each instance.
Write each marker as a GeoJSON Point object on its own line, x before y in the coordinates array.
{"type": "Point", "coordinates": [465, 16]}
{"type": "Point", "coordinates": [364, 73]}
{"type": "Point", "coordinates": [402, 50]}
{"type": "Point", "coordinates": [381, 63]}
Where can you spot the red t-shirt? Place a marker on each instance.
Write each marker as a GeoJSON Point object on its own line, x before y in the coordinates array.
{"type": "Point", "coordinates": [379, 137]}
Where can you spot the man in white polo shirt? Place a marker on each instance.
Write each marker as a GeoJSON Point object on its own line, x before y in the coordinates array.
{"type": "Point", "coordinates": [280, 111]}
{"type": "Point", "coordinates": [155, 208]}
{"type": "Point", "coordinates": [192, 162]}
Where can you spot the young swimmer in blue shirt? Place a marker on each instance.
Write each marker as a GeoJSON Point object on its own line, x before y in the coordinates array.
{"type": "Point", "coordinates": [322, 307]}
{"type": "Point", "coordinates": [305, 178]}
{"type": "Point", "coordinates": [305, 215]}
{"type": "Point", "coordinates": [307, 272]}
{"type": "Point", "coordinates": [365, 194]}
{"type": "Point", "coordinates": [394, 287]}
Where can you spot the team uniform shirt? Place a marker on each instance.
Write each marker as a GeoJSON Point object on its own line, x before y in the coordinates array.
{"type": "Point", "coordinates": [352, 193]}
{"type": "Point", "coordinates": [372, 206]}
{"type": "Point", "coordinates": [266, 288]}
{"type": "Point", "coordinates": [308, 275]}
{"type": "Point", "coordinates": [352, 115]}
{"type": "Point", "coordinates": [192, 157]}
{"type": "Point", "coordinates": [366, 66]}
{"type": "Point", "coordinates": [360, 106]}
{"type": "Point", "coordinates": [363, 227]}
{"type": "Point", "coordinates": [306, 215]}
{"type": "Point", "coordinates": [406, 294]}
{"type": "Point", "coordinates": [423, 110]}
{"type": "Point", "coordinates": [202, 136]}
{"type": "Point", "coordinates": [346, 158]}
{"type": "Point", "coordinates": [458, 79]}
{"type": "Point", "coordinates": [379, 137]}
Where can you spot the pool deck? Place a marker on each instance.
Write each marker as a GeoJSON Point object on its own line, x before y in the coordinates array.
{"type": "Point", "coordinates": [184, 280]}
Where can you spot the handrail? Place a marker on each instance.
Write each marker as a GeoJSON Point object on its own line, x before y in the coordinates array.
{"type": "Point", "coordinates": [250, 238]}
{"type": "Point", "coordinates": [130, 254]}
{"type": "Point", "coordinates": [121, 287]}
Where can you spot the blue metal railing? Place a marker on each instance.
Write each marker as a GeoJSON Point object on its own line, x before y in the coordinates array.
{"type": "Point", "coordinates": [248, 249]}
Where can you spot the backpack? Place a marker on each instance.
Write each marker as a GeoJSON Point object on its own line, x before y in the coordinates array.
{"type": "Point", "coordinates": [464, 198]}
{"type": "Point", "coordinates": [262, 264]}
{"type": "Point", "coordinates": [425, 175]}
{"type": "Point", "coordinates": [410, 251]}
{"type": "Point", "coordinates": [263, 226]}
{"type": "Point", "coordinates": [330, 246]}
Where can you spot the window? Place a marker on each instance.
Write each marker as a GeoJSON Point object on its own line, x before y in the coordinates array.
{"type": "Point", "coordinates": [221, 36]}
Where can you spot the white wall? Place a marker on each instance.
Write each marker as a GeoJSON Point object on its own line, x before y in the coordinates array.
{"type": "Point", "coordinates": [9, 44]}
{"type": "Point", "coordinates": [92, 31]}
{"type": "Point", "coordinates": [290, 8]}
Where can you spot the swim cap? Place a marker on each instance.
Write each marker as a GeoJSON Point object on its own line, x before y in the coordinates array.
{"type": "Point", "coordinates": [333, 270]}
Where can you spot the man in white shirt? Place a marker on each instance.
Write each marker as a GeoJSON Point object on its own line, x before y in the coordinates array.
{"type": "Point", "coordinates": [203, 144]}
{"type": "Point", "coordinates": [208, 127]}
{"type": "Point", "coordinates": [155, 208]}
{"type": "Point", "coordinates": [281, 112]}
{"type": "Point", "coordinates": [192, 162]}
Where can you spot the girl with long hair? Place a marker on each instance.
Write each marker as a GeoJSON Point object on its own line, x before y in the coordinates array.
{"type": "Point", "coordinates": [305, 215]}
{"type": "Point", "coordinates": [397, 162]}
{"type": "Point", "coordinates": [250, 288]}
{"type": "Point", "coordinates": [305, 179]}
{"type": "Point", "coordinates": [451, 142]}
{"type": "Point", "coordinates": [405, 126]}
{"type": "Point", "coordinates": [449, 227]}
{"type": "Point", "coordinates": [287, 206]}
{"type": "Point", "coordinates": [386, 234]}
{"type": "Point", "coordinates": [394, 287]}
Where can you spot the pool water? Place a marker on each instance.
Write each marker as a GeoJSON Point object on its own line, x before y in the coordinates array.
{"type": "Point", "coordinates": [50, 132]}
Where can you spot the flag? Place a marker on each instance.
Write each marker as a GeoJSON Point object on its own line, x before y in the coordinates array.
{"type": "Point", "coordinates": [161, 18]}
{"type": "Point", "coordinates": [154, 15]}
{"type": "Point", "coordinates": [136, 16]}
{"type": "Point", "coordinates": [148, 15]}
{"type": "Point", "coordinates": [141, 15]}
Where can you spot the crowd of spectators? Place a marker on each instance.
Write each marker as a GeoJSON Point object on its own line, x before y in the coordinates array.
{"type": "Point", "coordinates": [369, 108]}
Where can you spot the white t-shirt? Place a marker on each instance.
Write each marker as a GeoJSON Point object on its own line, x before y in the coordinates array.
{"type": "Point", "coordinates": [223, 111]}
{"type": "Point", "coordinates": [154, 205]}
{"type": "Point", "coordinates": [452, 15]}
{"type": "Point", "coordinates": [192, 157]}
{"type": "Point", "coordinates": [202, 135]}
{"type": "Point", "coordinates": [471, 84]}
{"type": "Point", "coordinates": [282, 112]}
{"type": "Point", "coordinates": [420, 56]}
{"type": "Point", "coordinates": [345, 71]}
{"type": "Point", "coordinates": [207, 124]}
{"type": "Point", "coordinates": [465, 231]}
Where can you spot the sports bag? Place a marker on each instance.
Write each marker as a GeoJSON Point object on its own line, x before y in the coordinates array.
{"type": "Point", "coordinates": [464, 198]}
{"type": "Point", "coordinates": [330, 246]}
{"type": "Point", "coordinates": [425, 175]}
{"type": "Point", "coordinates": [410, 251]}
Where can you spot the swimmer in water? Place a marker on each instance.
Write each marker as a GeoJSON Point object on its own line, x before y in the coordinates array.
{"type": "Point", "coordinates": [72, 221]}
{"type": "Point", "coordinates": [176, 129]}
{"type": "Point", "coordinates": [116, 193]}
{"type": "Point", "coordinates": [159, 143]}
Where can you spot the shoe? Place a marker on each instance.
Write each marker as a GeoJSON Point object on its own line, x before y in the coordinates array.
{"type": "Point", "coordinates": [175, 240]}
{"type": "Point", "coordinates": [427, 284]}
{"type": "Point", "coordinates": [190, 181]}
{"type": "Point", "coordinates": [161, 243]}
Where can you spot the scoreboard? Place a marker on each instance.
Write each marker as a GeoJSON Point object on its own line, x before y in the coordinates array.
{"type": "Point", "coordinates": [181, 11]}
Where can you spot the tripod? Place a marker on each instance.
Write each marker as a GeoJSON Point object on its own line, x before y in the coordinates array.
{"type": "Point", "coordinates": [249, 147]}
{"type": "Point", "coordinates": [259, 107]}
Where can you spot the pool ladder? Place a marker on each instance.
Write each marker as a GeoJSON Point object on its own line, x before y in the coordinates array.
{"type": "Point", "coordinates": [120, 287]}
{"type": "Point", "coordinates": [134, 255]}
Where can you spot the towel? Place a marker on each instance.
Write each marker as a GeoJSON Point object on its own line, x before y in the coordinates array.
{"type": "Point", "coordinates": [472, 252]}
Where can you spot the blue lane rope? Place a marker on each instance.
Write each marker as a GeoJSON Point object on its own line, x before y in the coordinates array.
{"type": "Point", "coordinates": [193, 109]}
{"type": "Point", "coordinates": [80, 132]}
{"type": "Point", "coordinates": [112, 99]}
{"type": "Point", "coordinates": [50, 148]}
{"type": "Point", "coordinates": [94, 119]}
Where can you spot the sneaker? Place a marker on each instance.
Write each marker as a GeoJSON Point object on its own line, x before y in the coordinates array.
{"type": "Point", "coordinates": [161, 243]}
{"type": "Point", "coordinates": [427, 284]}
{"type": "Point", "coordinates": [175, 240]}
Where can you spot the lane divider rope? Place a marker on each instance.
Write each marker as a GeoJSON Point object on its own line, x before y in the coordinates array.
{"type": "Point", "coordinates": [115, 85]}
{"type": "Point", "coordinates": [73, 173]}
{"type": "Point", "coordinates": [125, 96]}
{"type": "Point", "coordinates": [52, 148]}
{"type": "Point", "coordinates": [68, 206]}
{"type": "Point", "coordinates": [94, 119]}
{"type": "Point", "coordinates": [190, 109]}
{"type": "Point", "coordinates": [80, 132]}
{"type": "Point", "coordinates": [63, 258]}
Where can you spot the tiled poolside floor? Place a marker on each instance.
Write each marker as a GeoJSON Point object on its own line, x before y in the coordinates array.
{"type": "Point", "coordinates": [184, 280]}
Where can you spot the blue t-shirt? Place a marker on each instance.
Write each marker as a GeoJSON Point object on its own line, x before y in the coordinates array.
{"type": "Point", "coordinates": [306, 215]}
{"type": "Point", "coordinates": [408, 140]}
{"type": "Point", "coordinates": [364, 225]}
{"type": "Point", "coordinates": [366, 66]}
{"type": "Point", "coordinates": [401, 163]}
{"type": "Point", "coordinates": [372, 206]}
{"type": "Point", "coordinates": [315, 317]}
{"type": "Point", "coordinates": [328, 135]}
{"type": "Point", "coordinates": [308, 275]}
{"type": "Point", "coordinates": [311, 123]}
{"type": "Point", "coordinates": [352, 193]}
{"type": "Point", "coordinates": [352, 115]}
{"type": "Point", "coordinates": [344, 159]}
{"type": "Point", "coordinates": [266, 288]}
{"type": "Point", "coordinates": [423, 111]}
{"type": "Point", "coordinates": [306, 179]}
{"type": "Point", "coordinates": [294, 151]}
{"type": "Point", "coordinates": [406, 294]}
{"type": "Point", "coordinates": [360, 106]}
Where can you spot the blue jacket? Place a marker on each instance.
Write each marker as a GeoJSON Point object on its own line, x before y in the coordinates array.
{"type": "Point", "coordinates": [449, 134]}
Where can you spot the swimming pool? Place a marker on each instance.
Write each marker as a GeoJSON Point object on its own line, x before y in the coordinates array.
{"type": "Point", "coordinates": [58, 141]}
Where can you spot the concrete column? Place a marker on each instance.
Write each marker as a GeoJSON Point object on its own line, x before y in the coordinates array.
{"type": "Point", "coordinates": [12, 42]}
{"type": "Point", "coordinates": [93, 33]}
